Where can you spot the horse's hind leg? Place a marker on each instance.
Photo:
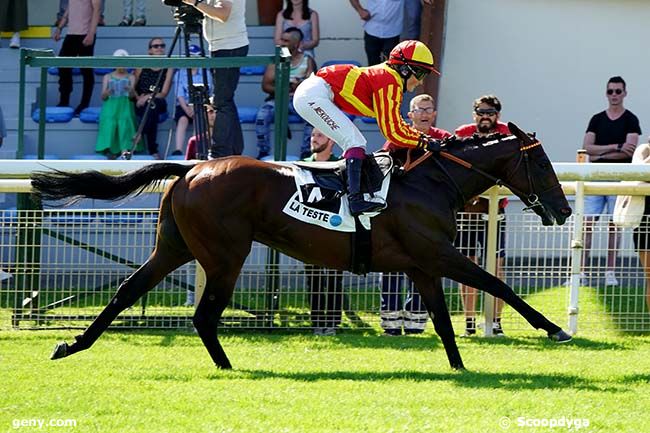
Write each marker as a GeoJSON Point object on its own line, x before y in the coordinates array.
{"type": "Point", "coordinates": [431, 292]}
{"type": "Point", "coordinates": [214, 301]}
{"type": "Point", "coordinates": [170, 253]}
{"type": "Point", "coordinates": [222, 256]}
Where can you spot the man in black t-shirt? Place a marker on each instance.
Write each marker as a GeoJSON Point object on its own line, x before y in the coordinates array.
{"type": "Point", "coordinates": [612, 136]}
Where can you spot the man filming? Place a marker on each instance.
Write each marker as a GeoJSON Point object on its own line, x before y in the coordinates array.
{"type": "Point", "coordinates": [227, 36]}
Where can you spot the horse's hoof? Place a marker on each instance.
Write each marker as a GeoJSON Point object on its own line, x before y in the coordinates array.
{"type": "Point", "coordinates": [560, 337]}
{"type": "Point", "coordinates": [60, 351]}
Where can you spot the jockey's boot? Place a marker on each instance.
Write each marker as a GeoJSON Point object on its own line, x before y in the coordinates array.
{"type": "Point", "coordinates": [355, 197]}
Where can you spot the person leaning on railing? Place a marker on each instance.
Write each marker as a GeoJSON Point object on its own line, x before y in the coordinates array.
{"type": "Point", "coordinates": [641, 234]}
{"type": "Point", "coordinates": [611, 136]}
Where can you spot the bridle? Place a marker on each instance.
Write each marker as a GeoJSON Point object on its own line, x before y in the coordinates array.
{"type": "Point", "coordinates": [531, 200]}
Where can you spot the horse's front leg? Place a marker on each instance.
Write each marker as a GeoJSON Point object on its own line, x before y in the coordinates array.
{"type": "Point", "coordinates": [456, 266]}
{"type": "Point", "coordinates": [431, 292]}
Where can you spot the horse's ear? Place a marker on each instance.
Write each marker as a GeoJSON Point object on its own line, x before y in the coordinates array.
{"type": "Point", "coordinates": [521, 135]}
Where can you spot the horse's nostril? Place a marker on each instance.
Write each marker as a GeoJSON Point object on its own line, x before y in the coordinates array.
{"type": "Point", "coordinates": [566, 211]}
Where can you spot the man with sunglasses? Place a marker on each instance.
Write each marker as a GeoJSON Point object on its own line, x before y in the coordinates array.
{"type": "Point", "coordinates": [472, 227]}
{"type": "Point", "coordinates": [374, 91]}
{"type": "Point", "coordinates": [612, 135]}
{"type": "Point", "coordinates": [146, 80]}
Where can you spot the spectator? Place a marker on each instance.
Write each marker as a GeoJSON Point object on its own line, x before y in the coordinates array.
{"type": "Point", "coordinates": [145, 80]}
{"type": "Point", "coordinates": [471, 233]}
{"type": "Point", "coordinates": [411, 315]}
{"type": "Point", "coordinates": [117, 119]}
{"type": "Point", "coordinates": [3, 128]}
{"type": "Point", "coordinates": [612, 136]}
{"type": "Point", "coordinates": [140, 18]}
{"type": "Point", "coordinates": [82, 17]}
{"type": "Point", "coordinates": [192, 143]}
{"type": "Point", "coordinates": [184, 112]}
{"type": "Point", "coordinates": [225, 30]}
{"type": "Point", "coordinates": [63, 5]}
{"type": "Point", "coordinates": [325, 285]}
{"type": "Point", "coordinates": [413, 18]}
{"type": "Point", "coordinates": [383, 23]}
{"type": "Point", "coordinates": [641, 234]}
{"type": "Point", "coordinates": [298, 14]}
{"type": "Point", "coordinates": [301, 67]}
{"type": "Point", "coordinates": [377, 91]}
{"type": "Point", "coordinates": [13, 19]}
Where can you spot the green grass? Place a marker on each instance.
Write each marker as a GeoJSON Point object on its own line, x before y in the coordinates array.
{"type": "Point", "coordinates": [354, 382]}
{"type": "Point", "coordinates": [358, 381]}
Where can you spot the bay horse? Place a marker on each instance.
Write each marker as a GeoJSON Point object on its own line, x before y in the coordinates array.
{"type": "Point", "coordinates": [216, 209]}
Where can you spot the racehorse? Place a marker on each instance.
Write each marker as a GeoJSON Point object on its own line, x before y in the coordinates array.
{"type": "Point", "coordinates": [216, 209]}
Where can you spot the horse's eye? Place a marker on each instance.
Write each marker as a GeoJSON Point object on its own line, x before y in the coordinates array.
{"type": "Point", "coordinates": [544, 165]}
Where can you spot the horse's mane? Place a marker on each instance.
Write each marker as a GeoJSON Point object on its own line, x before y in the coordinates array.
{"type": "Point", "coordinates": [453, 143]}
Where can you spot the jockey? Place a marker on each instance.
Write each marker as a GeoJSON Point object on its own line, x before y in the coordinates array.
{"type": "Point", "coordinates": [375, 91]}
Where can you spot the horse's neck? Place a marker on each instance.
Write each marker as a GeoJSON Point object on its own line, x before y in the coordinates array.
{"type": "Point", "coordinates": [471, 182]}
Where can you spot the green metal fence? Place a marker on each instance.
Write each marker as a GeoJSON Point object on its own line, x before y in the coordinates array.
{"type": "Point", "coordinates": [44, 59]}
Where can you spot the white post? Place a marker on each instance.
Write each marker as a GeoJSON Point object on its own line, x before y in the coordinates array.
{"type": "Point", "coordinates": [577, 247]}
{"type": "Point", "coordinates": [491, 256]}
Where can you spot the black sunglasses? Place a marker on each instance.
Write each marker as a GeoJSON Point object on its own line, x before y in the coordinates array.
{"type": "Point", "coordinates": [612, 91]}
{"type": "Point", "coordinates": [418, 72]}
{"type": "Point", "coordinates": [486, 111]}
{"type": "Point", "coordinates": [157, 46]}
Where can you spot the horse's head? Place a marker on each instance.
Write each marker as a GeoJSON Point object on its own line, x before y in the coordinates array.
{"type": "Point", "coordinates": [534, 181]}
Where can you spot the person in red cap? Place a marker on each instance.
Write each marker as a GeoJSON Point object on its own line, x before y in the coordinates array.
{"type": "Point", "coordinates": [374, 91]}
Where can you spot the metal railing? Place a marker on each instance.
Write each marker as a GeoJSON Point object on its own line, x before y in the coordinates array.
{"type": "Point", "coordinates": [44, 59]}
{"type": "Point", "coordinates": [67, 263]}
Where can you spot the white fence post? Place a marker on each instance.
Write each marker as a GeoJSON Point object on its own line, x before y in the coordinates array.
{"type": "Point", "coordinates": [491, 258]}
{"type": "Point", "coordinates": [577, 247]}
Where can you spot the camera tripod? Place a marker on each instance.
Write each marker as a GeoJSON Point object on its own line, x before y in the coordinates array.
{"type": "Point", "coordinates": [187, 23]}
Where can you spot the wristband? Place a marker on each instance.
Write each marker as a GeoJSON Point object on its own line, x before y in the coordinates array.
{"type": "Point", "coordinates": [619, 146]}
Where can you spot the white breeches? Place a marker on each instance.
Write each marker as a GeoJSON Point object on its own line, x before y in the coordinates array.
{"type": "Point", "coordinates": [313, 101]}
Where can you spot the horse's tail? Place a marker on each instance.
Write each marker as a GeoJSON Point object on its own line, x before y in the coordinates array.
{"type": "Point", "coordinates": [60, 185]}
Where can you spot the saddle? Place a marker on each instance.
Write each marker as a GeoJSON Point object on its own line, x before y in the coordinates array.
{"type": "Point", "coordinates": [319, 200]}
{"type": "Point", "coordinates": [330, 175]}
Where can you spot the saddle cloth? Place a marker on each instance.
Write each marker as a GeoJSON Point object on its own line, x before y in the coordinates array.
{"type": "Point", "coordinates": [320, 197]}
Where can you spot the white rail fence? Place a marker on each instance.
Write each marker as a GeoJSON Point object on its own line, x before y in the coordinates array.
{"type": "Point", "coordinates": [65, 264]}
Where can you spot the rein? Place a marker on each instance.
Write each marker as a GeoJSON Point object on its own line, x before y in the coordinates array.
{"type": "Point", "coordinates": [532, 198]}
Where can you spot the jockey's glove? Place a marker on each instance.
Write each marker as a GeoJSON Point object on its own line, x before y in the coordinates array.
{"type": "Point", "coordinates": [429, 143]}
